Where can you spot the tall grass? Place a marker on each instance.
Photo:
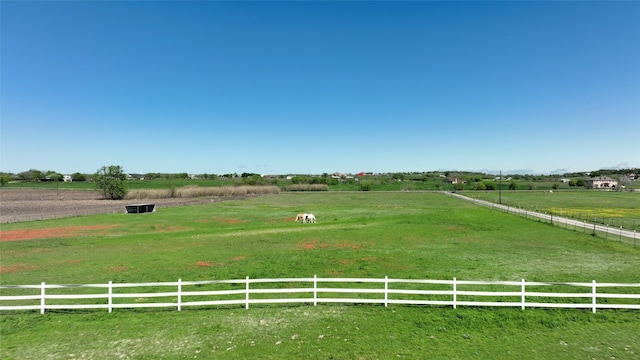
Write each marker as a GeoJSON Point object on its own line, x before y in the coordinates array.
{"type": "Point", "coordinates": [307, 187]}
{"type": "Point", "coordinates": [193, 191]}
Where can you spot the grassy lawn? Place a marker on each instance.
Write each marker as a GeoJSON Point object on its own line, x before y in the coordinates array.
{"type": "Point", "coordinates": [360, 234]}
{"type": "Point", "coordinates": [605, 207]}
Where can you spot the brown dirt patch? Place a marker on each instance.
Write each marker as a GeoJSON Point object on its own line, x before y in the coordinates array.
{"type": "Point", "coordinates": [314, 244]}
{"type": "Point", "coordinates": [229, 221]}
{"type": "Point", "coordinates": [17, 268]}
{"type": "Point", "coordinates": [346, 245]}
{"type": "Point", "coordinates": [28, 234]}
{"type": "Point", "coordinates": [170, 228]}
{"type": "Point", "coordinates": [308, 245]}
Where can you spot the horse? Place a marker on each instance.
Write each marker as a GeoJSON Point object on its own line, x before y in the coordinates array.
{"type": "Point", "coordinates": [310, 218]}
{"type": "Point", "coordinates": [301, 217]}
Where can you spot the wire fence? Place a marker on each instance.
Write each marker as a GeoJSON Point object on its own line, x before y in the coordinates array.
{"type": "Point", "coordinates": [604, 230]}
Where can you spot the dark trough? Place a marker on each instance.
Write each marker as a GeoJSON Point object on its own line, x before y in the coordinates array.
{"type": "Point", "coordinates": [140, 208]}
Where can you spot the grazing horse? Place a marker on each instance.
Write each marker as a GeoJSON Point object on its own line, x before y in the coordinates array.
{"type": "Point", "coordinates": [301, 217]}
{"type": "Point", "coordinates": [310, 218]}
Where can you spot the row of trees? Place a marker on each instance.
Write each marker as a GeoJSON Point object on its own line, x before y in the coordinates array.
{"type": "Point", "coordinates": [109, 180]}
{"type": "Point", "coordinates": [37, 175]}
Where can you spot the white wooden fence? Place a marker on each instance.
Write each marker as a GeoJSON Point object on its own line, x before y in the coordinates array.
{"type": "Point", "coordinates": [215, 293]}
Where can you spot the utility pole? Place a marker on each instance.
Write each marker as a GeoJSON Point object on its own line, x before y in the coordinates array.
{"type": "Point", "coordinates": [500, 188]}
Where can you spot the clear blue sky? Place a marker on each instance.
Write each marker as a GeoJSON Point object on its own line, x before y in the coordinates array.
{"type": "Point", "coordinates": [315, 87]}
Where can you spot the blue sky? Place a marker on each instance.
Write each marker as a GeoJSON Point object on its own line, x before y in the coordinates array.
{"type": "Point", "coordinates": [319, 87]}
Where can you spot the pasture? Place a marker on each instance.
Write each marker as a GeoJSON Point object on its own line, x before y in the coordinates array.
{"type": "Point", "coordinates": [604, 207]}
{"type": "Point", "coordinates": [362, 234]}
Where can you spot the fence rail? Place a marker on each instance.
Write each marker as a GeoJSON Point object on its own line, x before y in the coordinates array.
{"type": "Point", "coordinates": [245, 292]}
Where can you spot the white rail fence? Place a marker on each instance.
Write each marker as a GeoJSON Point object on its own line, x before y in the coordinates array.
{"type": "Point", "coordinates": [245, 292]}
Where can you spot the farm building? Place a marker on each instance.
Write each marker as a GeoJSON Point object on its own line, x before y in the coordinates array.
{"type": "Point", "coordinates": [601, 182]}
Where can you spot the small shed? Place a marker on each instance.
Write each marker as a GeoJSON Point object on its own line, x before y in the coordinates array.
{"type": "Point", "coordinates": [140, 208]}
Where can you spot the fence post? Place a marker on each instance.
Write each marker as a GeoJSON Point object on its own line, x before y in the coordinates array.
{"type": "Point", "coordinates": [180, 294]}
{"type": "Point", "coordinates": [42, 292]}
{"type": "Point", "coordinates": [247, 300]}
{"type": "Point", "coordinates": [593, 287]}
{"type": "Point", "coordinates": [110, 296]}
{"type": "Point", "coordinates": [620, 232]}
{"type": "Point", "coordinates": [454, 292]}
{"type": "Point", "coordinates": [315, 290]}
{"type": "Point", "coordinates": [386, 291]}
{"type": "Point", "coordinates": [523, 296]}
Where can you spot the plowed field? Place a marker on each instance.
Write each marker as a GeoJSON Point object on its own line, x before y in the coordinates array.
{"type": "Point", "coordinates": [26, 205]}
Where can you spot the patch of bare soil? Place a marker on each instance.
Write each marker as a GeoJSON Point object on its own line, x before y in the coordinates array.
{"type": "Point", "coordinates": [32, 204]}
{"type": "Point", "coordinates": [28, 234]}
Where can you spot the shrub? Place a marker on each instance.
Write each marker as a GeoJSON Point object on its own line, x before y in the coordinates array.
{"type": "Point", "coordinates": [78, 177]}
{"type": "Point", "coordinates": [365, 186]}
{"type": "Point", "coordinates": [489, 185]}
{"type": "Point", "coordinates": [110, 181]}
{"type": "Point", "coordinates": [479, 186]}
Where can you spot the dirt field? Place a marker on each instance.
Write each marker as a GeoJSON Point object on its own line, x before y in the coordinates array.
{"type": "Point", "coordinates": [26, 205]}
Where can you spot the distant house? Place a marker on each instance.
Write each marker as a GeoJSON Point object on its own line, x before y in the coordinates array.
{"type": "Point", "coordinates": [601, 182]}
{"type": "Point", "coordinates": [67, 178]}
{"type": "Point", "coordinates": [455, 181]}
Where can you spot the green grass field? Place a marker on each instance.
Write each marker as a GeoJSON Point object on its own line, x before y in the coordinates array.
{"type": "Point", "coordinates": [359, 234]}
{"type": "Point", "coordinates": [605, 207]}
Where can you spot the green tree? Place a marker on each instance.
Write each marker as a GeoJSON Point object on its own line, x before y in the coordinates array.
{"type": "Point", "coordinates": [489, 185]}
{"type": "Point", "coordinates": [30, 175]}
{"type": "Point", "coordinates": [110, 180]}
{"type": "Point", "coordinates": [54, 176]}
{"type": "Point", "coordinates": [78, 177]}
{"type": "Point", "coordinates": [365, 185]}
{"type": "Point", "coordinates": [4, 179]}
{"type": "Point", "coordinates": [513, 185]}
